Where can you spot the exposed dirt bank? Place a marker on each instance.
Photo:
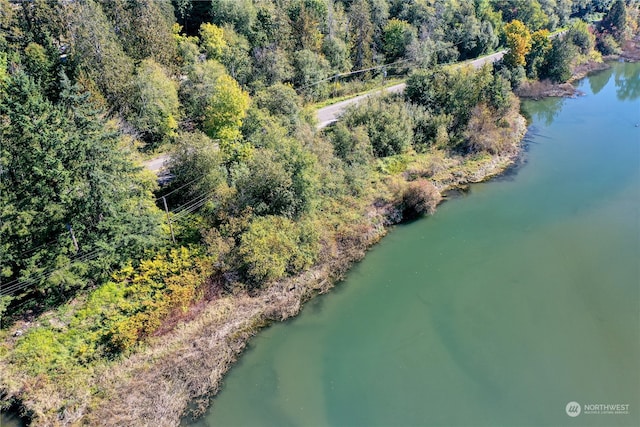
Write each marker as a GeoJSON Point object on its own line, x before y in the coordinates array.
{"type": "Point", "coordinates": [545, 88]}
{"type": "Point", "coordinates": [630, 50]}
{"type": "Point", "coordinates": [539, 89]}
{"type": "Point", "coordinates": [155, 385]}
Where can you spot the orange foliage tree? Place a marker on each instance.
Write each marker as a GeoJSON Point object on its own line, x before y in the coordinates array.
{"type": "Point", "coordinates": [518, 42]}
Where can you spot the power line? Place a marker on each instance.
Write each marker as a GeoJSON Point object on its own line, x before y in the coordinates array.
{"type": "Point", "coordinates": [376, 67]}
{"type": "Point", "coordinates": [179, 212]}
{"type": "Point", "coordinates": [195, 207]}
{"type": "Point", "coordinates": [7, 290]}
{"type": "Point", "coordinates": [180, 188]}
{"type": "Point", "coordinates": [42, 245]}
{"type": "Point", "coordinates": [18, 284]}
{"type": "Point", "coordinates": [180, 209]}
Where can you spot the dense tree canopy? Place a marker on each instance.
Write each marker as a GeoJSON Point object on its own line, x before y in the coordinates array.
{"type": "Point", "coordinates": [223, 85]}
{"type": "Point", "coordinates": [529, 12]}
{"type": "Point", "coordinates": [614, 21]}
{"type": "Point", "coordinates": [64, 171]}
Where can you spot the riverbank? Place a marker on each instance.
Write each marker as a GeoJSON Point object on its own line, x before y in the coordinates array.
{"type": "Point", "coordinates": [460, 306]}
{"type": "Point", "coordinates": [155, 384]}
{"type": "Point", "coordinates": [190, 362]}
{"type": "Point", "coordinates": [630, 51]}
{"type": "Point", "coordinates": [538, 89]}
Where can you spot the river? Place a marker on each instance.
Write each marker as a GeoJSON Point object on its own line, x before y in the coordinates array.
{"type": "Point", "coordinates": [506, 305]}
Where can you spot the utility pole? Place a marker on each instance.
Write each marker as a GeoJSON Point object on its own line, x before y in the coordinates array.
{"type": "Point", "coordinates": [166, 209]}
{"type": "Point", "coordinates": [73, 237]}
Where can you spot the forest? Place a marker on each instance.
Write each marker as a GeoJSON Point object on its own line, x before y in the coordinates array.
{"type": "Point", "coordinates": [99, 256]}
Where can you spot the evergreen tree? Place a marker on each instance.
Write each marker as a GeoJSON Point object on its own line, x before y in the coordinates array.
{"type": "Point", "coordinates": [360, 34]}
{"type": "Point", "coordinates": [615, 20]}
{"type": "Point", "coordinates": [97, 51]}
{"type": "Point", "coordinates": [62, 169]}
{"type": "Point", "coordinates": [557, 65]}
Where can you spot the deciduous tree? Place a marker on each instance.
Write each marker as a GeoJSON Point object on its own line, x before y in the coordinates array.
{"type": "Point", "coordinates": [154, 106]}
{"type": "Point", "coordinates": [215, 100]}
{"type": "Point", "coordinates": [398, 35]}
{"type": "Point", "coordinates": [518, 43]}
{"type": "Point", "coordinates": [212, 40]}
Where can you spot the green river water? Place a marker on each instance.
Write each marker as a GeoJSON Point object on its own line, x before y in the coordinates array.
{"type": "Point", "coordinates": [508, 303]}
{"type": "Point", "coordinates": [500, 309]}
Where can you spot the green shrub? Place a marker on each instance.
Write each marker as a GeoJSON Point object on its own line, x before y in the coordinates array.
{"type": "Point", "coordinates": [430, 130]}
{"type": "Point", "coordinates": [115, 317]}
{"type": "Point", "coordinates": [281, 101]}
{"type": "Point", "coordinates": [197, 166]}
{"type": "Point", "coordinates": [275, 246]}
{"type": "Point", "coordinates": [607, 44]}
{"type": "Point", "coordinates": [392, 165]}
{"type": "Point", "coordinates": [279, 182]}
{"type": "Point", "coordinates": [454, 93]}
{"type": "Point", "coordinates": [351, 145]}
{"type": "Point", "coordinates": [388, 125]}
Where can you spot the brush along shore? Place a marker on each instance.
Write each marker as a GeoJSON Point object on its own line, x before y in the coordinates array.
{"type": "Point", "coordinates": [179, 369]}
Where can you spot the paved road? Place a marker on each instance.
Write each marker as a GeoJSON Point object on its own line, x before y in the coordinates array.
{"type": "Point", "coordinates": [155, 165]}
{"type": "Point", "coordinates": [331, 113]}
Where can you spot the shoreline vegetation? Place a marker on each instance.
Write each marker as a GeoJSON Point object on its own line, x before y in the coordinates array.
{"type": "Point", "coordinates": [189, 362]}
{"type": "Point", "coordinates": [539, 89]}
{"type": "Point", "coordinates": [272, 212]}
